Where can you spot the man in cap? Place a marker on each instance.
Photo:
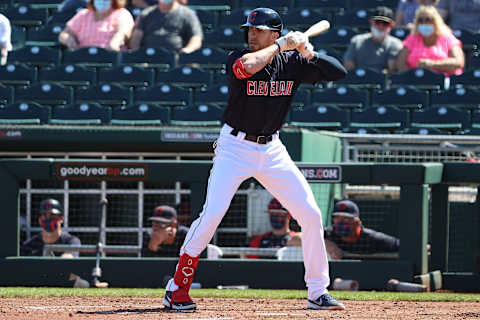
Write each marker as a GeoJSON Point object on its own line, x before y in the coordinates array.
{"type": "Point", "coordinates": [51, 219]}
{"type": "Point", "coordinates": [166, 236]}
{"type": "Point", "coordinates": [348, 234]}
{"type": "Point", "coordinates": [376, 49]}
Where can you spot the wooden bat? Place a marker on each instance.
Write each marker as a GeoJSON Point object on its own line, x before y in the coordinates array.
{"type": "Point", "coordinates": [317, 28]}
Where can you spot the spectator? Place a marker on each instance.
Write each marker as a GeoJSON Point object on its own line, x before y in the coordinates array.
{"type": "Point", "coordinates": [376, 49]}
{"type": "Point", "coordinates": [5, 38]}
{"type": "Point", "coordinates": [461, 14]}
{"type": "Point", "coordinates": [406, 11]}
{"type": "Point", "coordinates": [105, 24]}
{"type": "Point", "coordinates": [280, 235]}
{"type": "Point", "coordinates": [50, 219]}
{"type": "Point", "coordinates": [166, 236]}
{"type": "Point", "coordinates": [348, 234]}
{"type": "Point", "coordinates": [431, 45]}
{"type": "Point", "coordinates": [170, 25]}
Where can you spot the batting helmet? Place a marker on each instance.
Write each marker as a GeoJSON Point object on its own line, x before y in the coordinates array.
{"type": "Point", "coordinates": [276, 206]}
{"type": "Point", "coordinates": [264, 18]}
{"type": "Point", "coordinates": [50, 206]}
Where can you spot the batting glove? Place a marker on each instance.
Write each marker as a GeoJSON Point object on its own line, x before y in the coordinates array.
{"type": "Point", "coordinates": [306, 50]}
{"type": "Point", "coordinates": [291, 40]}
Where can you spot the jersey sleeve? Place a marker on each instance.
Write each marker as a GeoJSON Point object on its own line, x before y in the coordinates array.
{"type": "Point", "coordinates": [72, 240]}
{"type": "Point", "coordinates": [350, 53]}
{"type": "Point", "coordinates": [320, 68]}
{"type": "Point", "coordinates": [75, 24]}
{"type": "Point", "coordinates": [233, 56]}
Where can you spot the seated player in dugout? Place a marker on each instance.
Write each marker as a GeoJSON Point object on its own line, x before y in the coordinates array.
{"type": "Point", "coordinates": [348, 234]}
{"type": "Point", "coordinates": [280, 235]}
{"type": "Point", "coordinates": [51, 219]}
{"type": "Point", "coordinates": [166, 236]}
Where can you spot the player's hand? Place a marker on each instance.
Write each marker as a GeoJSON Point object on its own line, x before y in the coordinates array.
{"type": "Point", "coordinates": [306, 50]}
{"type": "Point", "coordinates": [291, 40]}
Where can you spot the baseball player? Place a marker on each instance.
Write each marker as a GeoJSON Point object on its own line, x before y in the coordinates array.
{"type": "Point", "coordinates": [262, 82]}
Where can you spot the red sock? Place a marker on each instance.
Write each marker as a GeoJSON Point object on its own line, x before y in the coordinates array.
{"type": "Point", "coordinates": [185, 271]}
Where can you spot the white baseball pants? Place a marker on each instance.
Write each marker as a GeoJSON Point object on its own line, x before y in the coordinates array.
{"type": "Point", "coordinates": [236, 160]}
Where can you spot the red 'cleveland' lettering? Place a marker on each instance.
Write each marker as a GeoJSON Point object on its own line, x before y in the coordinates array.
{"type": "Point", "coordinates": [277, 88]}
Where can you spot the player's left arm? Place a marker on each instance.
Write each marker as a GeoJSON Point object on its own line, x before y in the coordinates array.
{"type": "Point", "coordinates": [320, 67]}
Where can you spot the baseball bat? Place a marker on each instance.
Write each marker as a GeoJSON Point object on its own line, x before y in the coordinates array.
{"type": "Point", "coordinates": [317, 28]}
{"type": "Point", "coordinates": [97, 271]}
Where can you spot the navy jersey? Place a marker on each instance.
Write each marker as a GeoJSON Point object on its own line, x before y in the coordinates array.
{"type": "Point", "coordinates": [259, 105]}
{"type": "Point", "coordinates": [165, 250]}
{"type": "Point", "coordinates": [34, 245]}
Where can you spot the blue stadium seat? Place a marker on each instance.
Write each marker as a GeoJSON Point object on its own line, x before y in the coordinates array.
{"type": "Point", "coordinates": [370, 4]}
{"type": "Point", "coordinates": [45, 93]}
{"type": "Point", "coordinates": [319, 116]}
{"type": "Point", "coordinates": [17, 74]}
{"type": "Point", "coordinates": [186, 76]}
{"type": "Point", "coordinates": [474, 62]}
{"type": "Point", "coordinates": [456, 96]}
{"type": "Point", "coordinates": [163, 94]}
{"type": "Point", "coordinates": [24, 113]}
{"type": "Point", "coordinates": [234, 19]}
{"type": "Point", "coordinates": [341, 97]}
{"type": "Point", "coordinates": [444, 118]}
{"type": "Point", "coordinates": [337, 37]}
{"type": "Point", "coordinates": [141, 114]}
{"type": "Point", "coordinates": [92, 56]}
{"type": "Point", "coordinates": [469, 39]}
{"type": "Point", "coordinates": [380, 117]}
{"type": "Point", "coordinates": [278, 5]}
{"type": "Point", "coordinates": [363, 78]}
{"type": "Point", "coordinates": [400, 32]}
{"type": "Point", "coordinates": [81, 113]}
{"type": "Point", "coordinates": [6, 95]}
{"type": "Point", "coordinates": [217, 94]}
{"type": "Point", "coordinates": [62, 17]}
{"type": "Point", "coordinates": [26, 16]}
{"type": "Point", "coordinates": [39, 56]}
{"type": "Point", "coordinates": [129, 76]}
{"type": "Point", "coordinates": [199, 114]}
{"type": "Point", "coordinates": [70, 75]}
{"type": "Point", "coordinates": [469, 79]}
{"type": "Point", "coordinates": [159, 58]}
{"type": "Point", "coordinates": [476, 119]}
{"type": "Point", "coordinates": [228, 38]}
{"type": "Point", "coordinates": [401, 97]}
{"type": "Point", "coordinates": [105, 94]}
{"type": "Point", "coordinates": [205, 58]}
{"type": "Point", "coordinates": [303, 18]}
{"type": "Point", "coordinates": [208, 18]}
{"type": "Point", "coordinates": [324, 5]}
{"type": "Point", "coordinates": [424, 131]}
{"type": "Point", "coordinates": [364, 130]}
{"type": "Point", "coordinates": [419, 78]}
{"type": "Point", "coordinates": [354, 18]}
{"type": "Point", "coordinates": [48, 4]}
{"type": "Point", "coordinates": [18, 37]}
{"type": "Point", "coordinates": [44, 36]}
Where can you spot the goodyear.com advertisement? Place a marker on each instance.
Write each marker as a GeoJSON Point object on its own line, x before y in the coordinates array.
{"type": "Point", "coordinates": [101, 171]}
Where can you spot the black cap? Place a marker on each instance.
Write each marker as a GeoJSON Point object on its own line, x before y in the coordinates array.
{"type": "Point", "coordinates": [164, 214]}
{"type": "Point", "coordinates": [383, 13]}
{"type": "Point", "coordinates": [346, 208]}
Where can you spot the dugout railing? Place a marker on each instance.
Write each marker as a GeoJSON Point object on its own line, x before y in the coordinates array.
{"type": "Point", "coordinates": [413, 179]}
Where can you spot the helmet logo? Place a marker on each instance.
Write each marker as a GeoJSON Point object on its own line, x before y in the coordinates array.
{"type": "Point", "coordinates": [251, 19]}
{"type": "Point", "coordinates": [342, 206]}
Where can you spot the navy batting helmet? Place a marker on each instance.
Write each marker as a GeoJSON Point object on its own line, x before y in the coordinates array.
{"type": "Point", "coordinates": [50, 206]}
{"type": "Point", "coordinates": [264, 18]}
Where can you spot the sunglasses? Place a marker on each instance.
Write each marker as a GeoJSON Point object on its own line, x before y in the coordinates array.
{"type": "Point", "coordinates": [424, 19]}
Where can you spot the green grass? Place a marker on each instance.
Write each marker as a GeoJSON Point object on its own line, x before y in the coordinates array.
{"type": "Point", "coordinates": [12, 292]}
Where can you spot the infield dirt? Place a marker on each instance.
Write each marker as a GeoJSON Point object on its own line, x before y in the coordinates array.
{"type": "Point", "coordinates": [223, 309]}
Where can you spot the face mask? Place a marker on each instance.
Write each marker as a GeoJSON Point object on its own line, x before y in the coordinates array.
{"type": "Point", "coordinates": [277, 221]}
{"type": "Point", "coordinates": [342, 229]}
{"type": "Point", "coordinates": [101, 5]}
{"type": "Point", "coordinates": [50, 224]}
{"type": "Point", "coordinates": [377, 33]}
{"type": "Point", "coordinates": [167, 1]}
{"type": "Point", "coordinates": [425, 29]}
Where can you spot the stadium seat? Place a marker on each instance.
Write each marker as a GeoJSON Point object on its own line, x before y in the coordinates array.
{"type": "Point", "coordinates": [402, 97]}
{"type": "Point", "coordinates": [208, 18]}
{"type": "Point", "coordinates": [18, 37]}
{"type": "Point", "coordinates": [24, 113]}
{"type": "Point", "coordinates": [92, 56]}
{"type": "Point", "coordinates": [227, 38]}
{"type": "Point", "coordinates": [301, 97]}
{"type": "Point", "coordinates": [62, 17]}
{"type": "Point", "coordinates": [141, 114]}
{"type": "Point", "coordinates": [469, 39]}
{"type": "Point", "coordinates": [39, 56]}
{"type": "Point", "coordinates": [105, 94]}
{"type": "Point", "coordinates": [129, 76]}
{"type": "Point", "coordinates": [212, 5]}
{"type": "Point", "coordinates": [186, 77]}
{"type": "Point", "coordinates": [456, 96]}
{"type": "Point", "coordinates": [476, 119]}
{"type": "Point", "coordinates": [163, 94]}
{"type": "Point", "coordinates": [48, 4]}
{"type": "Point", "coordinates": [278, 5]}
{"type": "Point", "coordinates": [303, 18]}
{"type": "Point", "coordinates": [469, 79]}
{"type": "Point", "coordinates": [424, 131]}
{"type": "Point", "coordinates": [324, 5]}
{"type": "Point", "coordinates": [400, 32]}
{"type": "Point", "coordinates": [341, 96]}
{"type": "Point", "coordinates": [444, 118]}
{"type": "Point", "coordinates": [44, 36]}
{"type": "Point", "coordinates": [474, 62]}
{"type": "Point", "coordinates": [81, 113]}
{"type": "Point", "coordinates": [198, 114]}
{"type": "Point", "coordinates": [45, 93]}
{"type": "Point", "coordinates": [217, 94]}
{"type": "Point", "coordinates": [205, 58]}
{"type": "Point", "coordinates": [320, 117]}
{"type": "Point", "coordinates": [26, 16]}
{"type": "Point", "coordinates": [337, 37]}
{"type": "Point", "coordinates": [364, 130]}
{"type": "Point", "coordinates": [354, 18]}
{"type": "Point", "coordinates": [70, 75]}
{"type": "Point", "coordinates": [159, 58]}
{"type": "Point", "coordinates": [6, 95]}
{"type": "Point", "coordinates": [363, 78]}
{"type": "Point", "coordinates": [220, 77]}
{"type": "Point", "coordinates": [234, 19]}
{"type": "Point", "coordinates": [380, 117]}
{"type": "Point", "coordinates": [370, 4]}
{"type": "Point", "coordinates": [419, 78]}
{"type": "Point", "coordinates": [17, 74]}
